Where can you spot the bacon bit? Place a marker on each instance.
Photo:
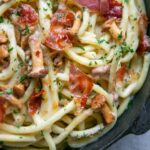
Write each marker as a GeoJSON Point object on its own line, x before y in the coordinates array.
{"type": "Point", "coordinates": [98, 101]}
{"type": "Point", "coordinates": [35, 102]}
{"type": "Point", "coordinates": [80, 84]}
{"type": "Point", "coordinates": [144, 39]}
{"type": "Point", "coordinates": [2, 111]}
{"type": "Point", "coordinates": [107, 8]}
{"type": "Point", "coordinates": [64, 17]}
{"type": "Point", "coordinates": [59, 37]}
{"type": "Point", "coordinates": [27, 16]}
{"type": "Point", "coordinates": [121, 72]}
{"type": "Point", "coordinates": [115, 9]}
{"type": "Point", "coordinates": [58, 41]}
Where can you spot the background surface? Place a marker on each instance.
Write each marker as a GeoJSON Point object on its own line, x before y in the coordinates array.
{"type": "Point", "coordinates": [133, 142]}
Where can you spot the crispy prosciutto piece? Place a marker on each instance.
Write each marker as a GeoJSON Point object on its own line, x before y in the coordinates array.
{"type": "Point", "coordinates": [35, 102]}
{"type": "Point", "coordinates": [59, 37]}
{"type": "Point", "coordinates": [80, 85]}
{"type": "Point", "coordinates": [25, 19]}
{"type": "Point", "coordinates": [24, 16]}
{"type": "Point", "coordinates": [2, 110]}
{"type": "Point", "coordinates": [121, 72]}
{"type": "Point", "coordinates": [107, 8]}
{"type": "Point", "coordinates": [144, 39]}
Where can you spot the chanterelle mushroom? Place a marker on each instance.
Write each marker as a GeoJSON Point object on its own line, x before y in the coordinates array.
{"type": "Point", "coordinates": [99, 102]}
{"type": "Point", "coordinates": [3, 38]}
{"type": "Point", "coordinates": [19, 89]}
{"type": "Point", "coordinates": [38, 70]}
{"type": "Point", "coordinates": [7, 95]}
{"type": "Point", "coordinates": [116, 33]}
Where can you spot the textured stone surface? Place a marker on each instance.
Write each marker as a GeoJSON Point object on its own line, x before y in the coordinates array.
{"type": "Point", "coordinates": [133, 142]}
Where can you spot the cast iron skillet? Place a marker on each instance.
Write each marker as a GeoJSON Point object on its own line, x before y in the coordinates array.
{"type": "Point", "coordinates": [135, 120]}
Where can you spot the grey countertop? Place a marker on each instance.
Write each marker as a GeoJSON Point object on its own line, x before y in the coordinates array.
{"type": "Point", "coordinates": [133, 142]}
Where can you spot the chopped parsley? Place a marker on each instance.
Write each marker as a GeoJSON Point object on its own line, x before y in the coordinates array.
{"type": "Point", "coordinates": [78, 16]}
{"type": "Point", "coordinates": [90, 25]}
{"type": "Point", "coordinates": [100, 41]}
{"type": "Point", "coordinates": [113, 46]}
{"type": "Point", "coordinates": [126, 1]}
{"type": "Point", "coordinates": [1, 19]}
{"type": "Point", "coordinates": [90, 63]}
{"type": "Point", "coordinates": [9, 91]}
{"type": "Point", "coordinates": [1, 93]}
{"type": "Point", "coordinates": [21, 63]}
{"type": "Point", "coordinates": [10, 49]}
{"type": "Point", "coordinates": [16, 13]}
{"type": "Point", "coordinates": [45, 9]}
{"type": "Point", "coordinates": [81, 47]}
{"type": "Point", "coordinates": [49, 4]}
{"type": "Point", "coordinates": [23, 78]}
{"type": "Point", "coordinates": [18, 126]}
{"type": "Point", "coordinates": [60, 96]}
{"type": "Point", "coordinates": [124, 49]}
{"type": "Point", "coordinates": [26, 31]}
{"type": "Point", "coordinates": [95, 62]}
{"type": "Point", "coordinates": [120, 36]}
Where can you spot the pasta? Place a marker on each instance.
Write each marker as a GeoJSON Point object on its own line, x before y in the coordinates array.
{"type": "Point", "coordinates": [68, 70]}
